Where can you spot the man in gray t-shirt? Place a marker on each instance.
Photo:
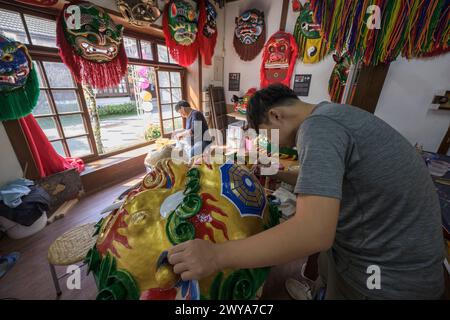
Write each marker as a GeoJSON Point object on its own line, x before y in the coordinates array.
{"type": "Point", "coordinates": [365, 197]}
{"type": "Point", "coordinates": [390, 216]}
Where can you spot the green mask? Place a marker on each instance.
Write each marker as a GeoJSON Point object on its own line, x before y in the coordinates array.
{"type": "Point", "coordinates": [96, 37]}
{"type": "Point", "coordinates": [183, 18]}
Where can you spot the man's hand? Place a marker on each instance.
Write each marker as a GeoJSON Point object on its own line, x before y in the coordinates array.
{"type": "Point", "coordinates": [195, 259]}
{"type": "Point", "coordinates": [182, 134]}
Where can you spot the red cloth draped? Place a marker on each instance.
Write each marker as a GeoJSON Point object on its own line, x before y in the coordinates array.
{"type": "Point", "coordinates": [48, 161]}
{"type": "Point", "coordinates": [207, 44]}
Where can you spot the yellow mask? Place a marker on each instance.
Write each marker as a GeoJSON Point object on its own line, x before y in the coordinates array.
{"type": "Point", "coordinates": [173, 204]}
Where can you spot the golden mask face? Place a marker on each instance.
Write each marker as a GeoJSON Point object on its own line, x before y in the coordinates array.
{"type": "Point", "coordinates": [176, 203]}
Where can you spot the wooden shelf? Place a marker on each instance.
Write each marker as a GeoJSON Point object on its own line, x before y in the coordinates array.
{"type": "Point", "coordinates": [237, 116]}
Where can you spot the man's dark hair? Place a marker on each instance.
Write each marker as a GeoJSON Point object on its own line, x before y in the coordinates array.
{"type": "Point", "coordinates": [263, 100]}
{"type": "Point", "coordinates": [182, 104]}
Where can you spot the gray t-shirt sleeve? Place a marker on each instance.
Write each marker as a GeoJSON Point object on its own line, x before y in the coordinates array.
{"type": "Point", "coordinates": [322, 145]}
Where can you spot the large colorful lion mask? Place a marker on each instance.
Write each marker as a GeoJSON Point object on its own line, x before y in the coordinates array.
{"type": "Point", "coordinates": [90, 44]}
{"type": "Point", "coordinates": [19, 85]}
{"type": "Point", "coordinates": [249, 34]}
{"type": "Point", "coordinates": [176, 203]}
{"type": "Point", "coordinates": [278, 62]}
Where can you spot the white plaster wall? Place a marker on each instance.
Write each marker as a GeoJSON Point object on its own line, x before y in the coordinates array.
{"type": "Point", "coordinates": [406, 98]}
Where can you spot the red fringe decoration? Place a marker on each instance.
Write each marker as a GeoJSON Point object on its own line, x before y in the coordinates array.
{"type": "Point", "coordinates": [294, 51]}
{"type": "Point", "coordinates": [183, 55]}
{"type": "Point", "coordinates": [97, 74]}
{"type": "Point", "coordinates": [207, 45]}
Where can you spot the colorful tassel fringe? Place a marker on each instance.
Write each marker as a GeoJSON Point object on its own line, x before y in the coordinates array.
{"type": "Point", "coordinates": [408, 28]}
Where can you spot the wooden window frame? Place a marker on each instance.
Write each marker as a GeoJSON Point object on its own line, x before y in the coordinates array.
{"type": "Point", "coordinates": [171, 104]}
{"type": "Point", "coordinates": [44, 53]}
{"type": "Point", "coordinates": [56, 115]}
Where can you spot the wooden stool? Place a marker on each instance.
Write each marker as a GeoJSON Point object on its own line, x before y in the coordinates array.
{"type": "Point", "coordinates": [70, 248]}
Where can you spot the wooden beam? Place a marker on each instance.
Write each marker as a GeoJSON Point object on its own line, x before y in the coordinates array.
{"type": "Point", "coordinates": [154, 30]}
{"type": "Point", "coordinates": [284, 13]}
{"type": "Point", "coordinates": [445, 144]}
{"type": "Point", "coordinates": [369, 84]}
{"type": "Point", "coordinates": [109, 175]}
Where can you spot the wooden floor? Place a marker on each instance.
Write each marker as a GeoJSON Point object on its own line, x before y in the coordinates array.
{"type": "Point", "coordinates": [30, 278]}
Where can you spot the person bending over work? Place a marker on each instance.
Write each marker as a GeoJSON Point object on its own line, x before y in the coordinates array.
{"type": "Point", "coordinates": [198, 140]}
{"type": "Point", "coordinates": [365, 199]}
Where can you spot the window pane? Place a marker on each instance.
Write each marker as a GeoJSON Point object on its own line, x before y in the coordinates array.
{"type": "Point", "coordinates": [168, 126]}
{"type": "Point", "coordinates": [176, 95]}
{"type": "Point", "coordinates": [66, 101]}
{"type": "Point", "coordinates": [39, 74]}
{"type": "Point", "coordinates": [130, 47]}
{"type": "Point", "coordinates": [171, 60]}
{"type": "Point", "coordinates": [165, 95]}
{"type": "Point", "coordinates": [72, 125]}
{"type": "Point", "coordinates": [42, 106]}
{"type": "Point", "coordinates": [175, 77]}
{"type": "Point", "coordinates": [163, 78]}
{"type": "Point", "coordinates": [163, 55]}
{"type": "Point", "coordinates": [42, 31]}
{"type": "Point", "coordinates": [166, 111]}
{"type": "Point", "coordinates": [79, 147]}
{"type": "Point", "coordinates": [131, 118]}
{"type": "Point", "coordinates": [11, 26]}
{"type": "Point", "coordinates": [59, 147]}
{"type": "Point", "coordinates": [48, 125]}
{"type": "Point", "coordinates": [120, 90]}
{"type": "Point", "coordinates": [58, 75]}
{"type": "Point", "coordinates": [178, 123]}
{"type": "Point", "coordinates": [146, 48]}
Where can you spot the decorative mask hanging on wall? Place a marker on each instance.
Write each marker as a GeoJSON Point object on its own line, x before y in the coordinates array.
{"type": "Point", "coordinates": [173, 204]}
{"type": "Point", "coordinates": [207, 31]}
{"type": "Point", "coordinates": [91, 45]}
{"type": "Point", "coordinates": [339, 76]}
{"type": "Point", "coordinates": [42, 3]}
{"type": "Point", "coordinates": [241, 103]}
{"type": "Point", "coordinates": [180, 27]}
{"type": "Point", "coordinates": [280, 53]}
{"type": "Point", "coordinates": [307, 34]}
{"type": "Point", "coordinates": [141, 13]}
{"type": "Point", "coordinates": [250, 34]}
{"type": "Point", "coordinates": [19, 84]}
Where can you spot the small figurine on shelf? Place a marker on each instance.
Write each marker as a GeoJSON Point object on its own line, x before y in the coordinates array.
{"type": "Point", "coordinates": [240, 103]}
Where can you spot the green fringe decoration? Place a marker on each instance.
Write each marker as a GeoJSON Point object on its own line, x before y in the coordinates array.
{"type": "Point", "coordinates": [20, 102]}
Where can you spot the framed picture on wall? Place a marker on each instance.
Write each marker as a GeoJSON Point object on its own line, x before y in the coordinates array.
{"type": "Point", "coordinates": [302, 83]}
{"type": "Point", "coordinates": [234, 82]}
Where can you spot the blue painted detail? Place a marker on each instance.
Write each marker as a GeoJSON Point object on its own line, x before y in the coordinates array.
{"type": "Point", "coordinates": [243, 190]}
{"type": "Point", "coordinates": [169, 182]}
